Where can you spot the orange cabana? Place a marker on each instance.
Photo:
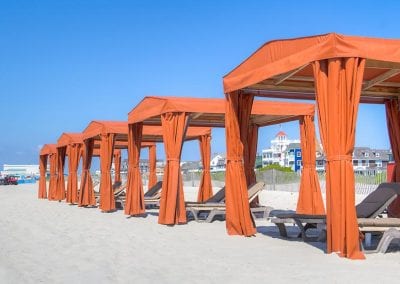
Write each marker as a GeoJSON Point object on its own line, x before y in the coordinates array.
{"type": "Point", "coordinates": [175, 115]}
{"type": "Point", "coordinates": [139, 134]}
{"type": "Point", "coordinates": [72, 144]}
{"type": "Point", "coordinates": [104, 133]}
{"type": "Point", "coordinates": [48, 152]}
{"type": "Point", "coordinates": [339, 72]}
{"type": "Point", "coordinates": [109, 136]}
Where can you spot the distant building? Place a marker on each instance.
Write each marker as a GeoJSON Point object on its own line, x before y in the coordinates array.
{"type": "Point", "coordinates": [218, 163]}
{"type": "Point", "coordinates": [190, 166]}
{"type": "Point", "coordinates": [293, 158]}
{"type": "Point", "coordinates": [20, 170]}
{"type": "Point", "coordinates": [277, 153]}
{"type": "Point", "coordinates": [370, 160]}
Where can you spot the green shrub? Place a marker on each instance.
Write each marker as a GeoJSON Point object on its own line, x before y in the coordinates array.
{"type": "Point", "coordinates": [276, 167]}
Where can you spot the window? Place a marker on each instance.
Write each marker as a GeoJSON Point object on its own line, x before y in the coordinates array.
{"type": "Point", "coordinates": [298, 154]}
{"type": "Point", "coordinates": [379, 164]}
{"type": "Point", "coordinates": [298, 163]}
{"type": "Point", "coordinates": [366, 154]}
{"type": "Point", "coordinates": [377, 154]}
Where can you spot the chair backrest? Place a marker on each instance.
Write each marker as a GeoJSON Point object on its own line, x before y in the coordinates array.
{"type": "Point", "coordinates": [254, 190]}
{"type": "Point", "coordinates": [377, 201]}
{"type": "Point", "coordinates": [116, 185]}
{"type": "Point", "coordinates": [120, 189]}
{"type": "Point", "coordinates": [154, 189]}
{"type": "Point", "coordinates": [219, 196]}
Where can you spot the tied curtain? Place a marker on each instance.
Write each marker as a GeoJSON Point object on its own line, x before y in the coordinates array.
{"type": "Point", "coordinates": [393, 125]}
{"type": "Point", "coordinates": [60, 189]}
{"type": "Point", "coordinates": [134, 193]}
{"type": "Point", "coordinates": [53, 176]}
{"type": "Point", "coordinates": [117, 165]}
{"type": "Point", "coordinates": [152, 166]}
{"type": "Point", "coordinates": [42, 193]}
{"type": "Point", "coordinates": [107, 201]}
{"type": "Point", "coordinates": [172, 204]}
{"type": "Point", "coordinates": [74, 153]}
{"type": "Point", "coordinates": [310, 197]}
{"type": "Point", "coordinates": [238, 218]}
{"type": "Point", "coordinates": [338, 88]}
{"type": "Point", "coordinates": [205, 189]}
{"type": "Point", "coordinates": [86, 194]}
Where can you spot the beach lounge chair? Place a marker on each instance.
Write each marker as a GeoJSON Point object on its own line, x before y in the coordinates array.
{"type": "Point", "coordinates": [206, 212]}
{"type": "Point", "coordinates": [387, 230]}
{"type": "Point", "coordinates": [372, 206]}
{"type": "Point", "coordinates": [219, 196]}
{"type": "Point", "coordinates": [151, 197]}
{"type": "Point", "coordinates": [118, 188]}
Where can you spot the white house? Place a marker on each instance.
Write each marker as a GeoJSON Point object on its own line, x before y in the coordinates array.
{"type": "Point", "coordinates": [276, 154]}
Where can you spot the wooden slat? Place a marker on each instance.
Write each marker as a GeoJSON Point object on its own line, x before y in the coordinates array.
{"type": "Point", "coordinates": [280, 78]}
{"type": "Point", "coordinates": [378, 79]}
{"type": "Point", "coordinates": [370, 63]}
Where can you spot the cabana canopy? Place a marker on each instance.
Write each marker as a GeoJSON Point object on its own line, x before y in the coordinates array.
{"type": "Point", "coordinates": [120, 129]}
{"type": "Point", "coordinates": [48, 149]}
{"type": "Point", "coordinates": [173, 111]}
{"type": "Point", "coordinates": [339, 72]}
{"type": "Point", "coordinates": [210, 112]}
{"type": "Point", "coordinates": [283, 69]}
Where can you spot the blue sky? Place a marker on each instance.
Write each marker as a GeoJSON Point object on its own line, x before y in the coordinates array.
{"type": "Point", "coordinates": [65, 63]}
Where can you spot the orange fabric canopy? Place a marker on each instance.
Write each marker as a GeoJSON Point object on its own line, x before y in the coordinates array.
{"type": "Point", "coordinates": [120, 129]}
{"type": "Point", "coordinates": [211, 112]}
{"type": "Point", "coordinates": [48, 149]}
{"type": "Point", "coordinates": [281, 56]}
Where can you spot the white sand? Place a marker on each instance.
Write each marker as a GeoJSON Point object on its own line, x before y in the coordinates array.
{"type": "Point", "coordinates": [52, 242]}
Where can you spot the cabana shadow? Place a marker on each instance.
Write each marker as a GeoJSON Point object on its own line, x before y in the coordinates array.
{"type": "Point", "coordinates": [272, 231]}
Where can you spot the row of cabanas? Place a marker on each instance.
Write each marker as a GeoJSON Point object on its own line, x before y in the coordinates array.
{"type": "Point", "coordinates": [337, 71]}
{"type": "Point", "coordinates": [170, 120]}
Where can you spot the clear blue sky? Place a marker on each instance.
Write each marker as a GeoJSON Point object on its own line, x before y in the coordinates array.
{"type": "Point", "coordinates": [65, 63]}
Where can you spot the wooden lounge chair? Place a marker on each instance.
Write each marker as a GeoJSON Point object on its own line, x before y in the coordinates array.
{"type": "Point", "coordinates": [371, 207]}
{"type": "Point", "coordinates": [206, 212]}
{"type": "Point", "coordinates": [386, 229]}
{"type": "Point", "coordinates": [118, 188]}
{"type": "Point", "coordinates": [219, 196]}
{"type": "Point", "coordinates": [151, 197]}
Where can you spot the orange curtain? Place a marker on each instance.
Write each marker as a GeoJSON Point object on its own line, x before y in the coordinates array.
{"type": "Point", "coordinates": [205, 189]}
{"type": "Point", "coordinates": [74, 153]}
{"type": "Point", "coordinates": [60, 189]}
{"type": "Point", "coordinates": [134, 192]}
{"type": "Point", "coordinates": [238, 217]}
{"type": "Point", "coordinates": [86, 193]}
{"type": "Point", "coordinates": [53, 177]}
{"type": "Point", "coordinates": [310, 197]}
{"type": "Point", "coordinates": [152, 166]}
{"type": "Point", "coordinates": [117, 165]}
{"type": "Point", "coordinates": [338, 87]}
{"type": "Point", "coordinates": [250, 154]}
{"type": "Point", "coordinates": [172, 204]}
{"type": "Point", "coordinates": [393, 125]}
{"type": "Point", "coordinates": [107, 201]}
{"type": "Point", "coordinates": [42, 193]}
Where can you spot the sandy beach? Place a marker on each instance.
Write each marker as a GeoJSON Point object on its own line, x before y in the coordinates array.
{"type": "Point", "coordinates": [53, 242]}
